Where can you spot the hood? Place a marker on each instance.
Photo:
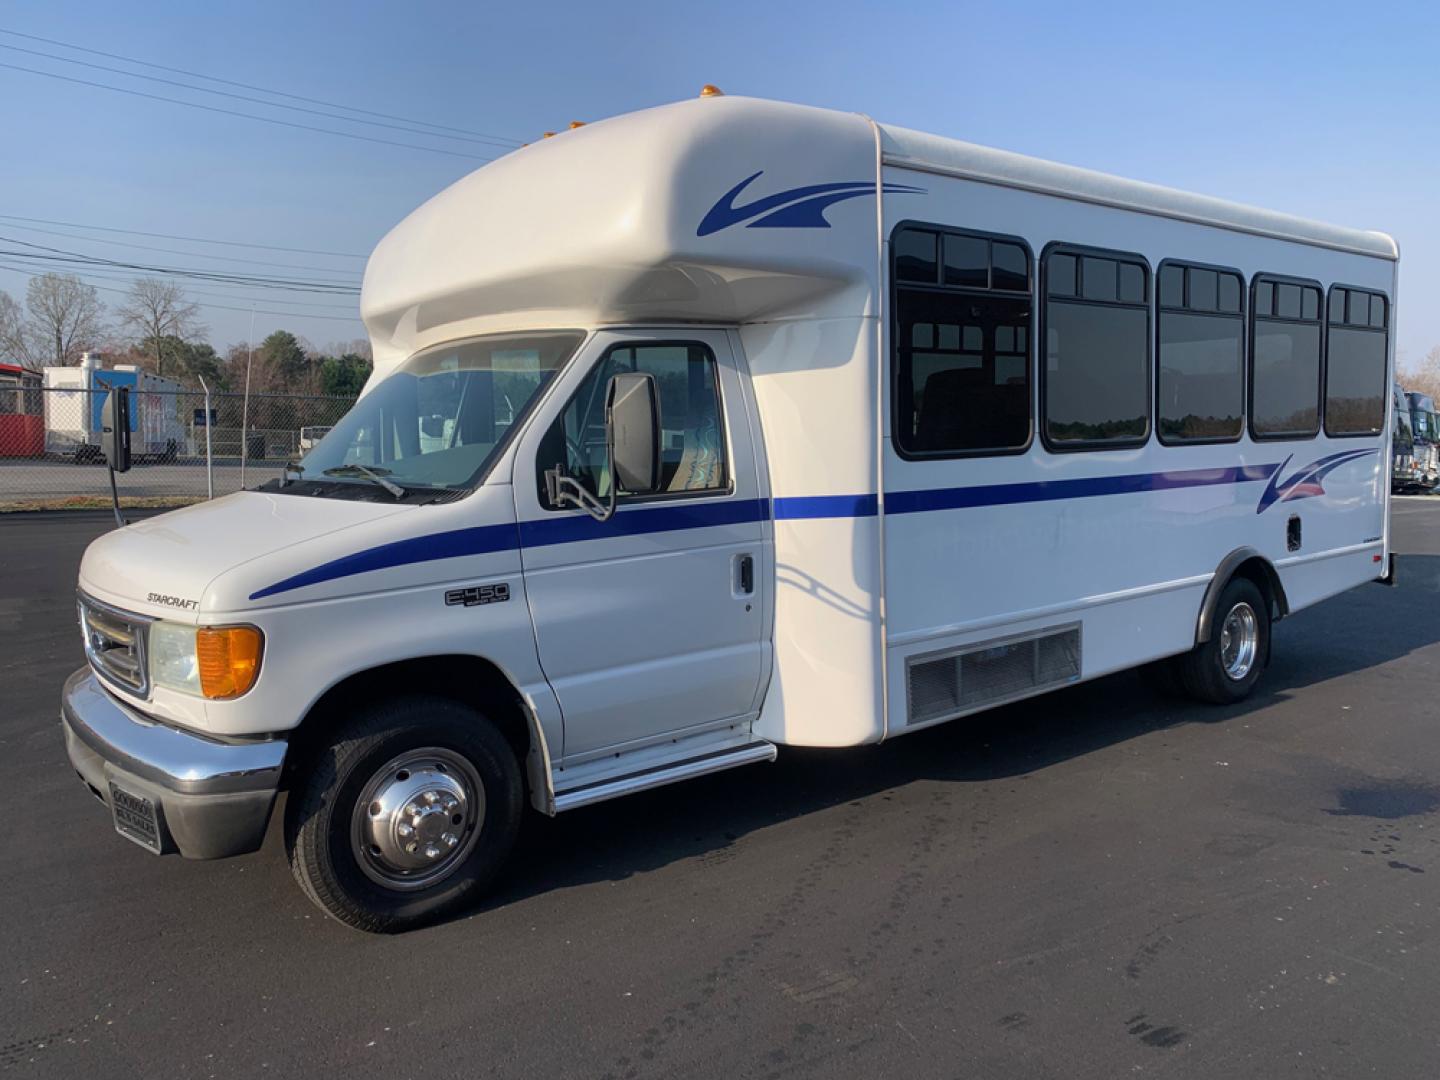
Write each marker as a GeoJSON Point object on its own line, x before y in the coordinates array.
{"type": "Point", "coordinates": [162, 565]}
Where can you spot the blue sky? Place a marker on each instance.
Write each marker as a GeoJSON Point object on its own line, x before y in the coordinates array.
{"type": "Point", "coordinates": [1331, 111]}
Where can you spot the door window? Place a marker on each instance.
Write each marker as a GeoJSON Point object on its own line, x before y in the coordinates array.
{"type": "Point", "coordinates": [692, 442]}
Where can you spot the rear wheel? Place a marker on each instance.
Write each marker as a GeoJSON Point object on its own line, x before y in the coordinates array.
{"type": "Point", "coordinates": [407, 815]}
{"type": "Point", "coordinates": [1226, 668]}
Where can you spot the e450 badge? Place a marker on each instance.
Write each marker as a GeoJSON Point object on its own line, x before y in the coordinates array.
{"type": "Point", "coordinates": [478, 594]}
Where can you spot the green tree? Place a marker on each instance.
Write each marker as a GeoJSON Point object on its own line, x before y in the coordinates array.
{"type": "Point", "coordinates": [283, 355]}
{"type": "Point", "coordinates": [344, 375]}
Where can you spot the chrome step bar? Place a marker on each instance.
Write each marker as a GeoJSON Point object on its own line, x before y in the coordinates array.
{"type": "Point", "coordinates": [661, 775]}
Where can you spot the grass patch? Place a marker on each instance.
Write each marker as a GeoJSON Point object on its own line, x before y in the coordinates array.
{"type": "Point", "coordinates": [97, 502]}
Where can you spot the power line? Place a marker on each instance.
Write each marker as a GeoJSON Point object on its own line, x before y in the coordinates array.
{"type": "Point", "coordinates": [129, 277]}
{"type": "Point", "coordinates": [121, 277]}
{"type": "Point", "coordinates": [187, 239]}
{"type": "Point", "coordinates": [258, 89]}
{"type": "Point", "coordinates": [91, 65]}
{"type": "Point", "coordinates": [214, 307]}
{"type": "Point", "coordinates": [173, 251]}
{"type": "Point", "coordinates": [244, 115]}
{"type": "Point", "coordinates": [61, 255]}
{"type": "Point", "coordinates": [65, 261]}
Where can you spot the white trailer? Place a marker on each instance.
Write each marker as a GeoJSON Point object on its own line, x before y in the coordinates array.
{"type": "Point", "coordinates": [724, 427]}
{"type": "Point", "coordinates": [75, 398]}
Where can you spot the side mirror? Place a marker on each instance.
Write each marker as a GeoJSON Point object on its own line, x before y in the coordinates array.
{"type": "Point", "coordinates": [115, 429]}
{"type": "Point", "coordinates": [632, 428]}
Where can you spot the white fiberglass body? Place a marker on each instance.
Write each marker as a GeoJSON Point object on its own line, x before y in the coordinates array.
{"type": "Point", "coordinates": [757, 235]}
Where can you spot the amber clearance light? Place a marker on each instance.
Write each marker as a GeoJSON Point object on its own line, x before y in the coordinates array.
{"type": "Point", "coordinates": [228, 658]}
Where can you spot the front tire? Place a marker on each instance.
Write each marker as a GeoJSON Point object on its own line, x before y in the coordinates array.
{"type": "Point", "coordinates": [1226, 668]}
{"type": "Point", "coordinates": [406, 815]}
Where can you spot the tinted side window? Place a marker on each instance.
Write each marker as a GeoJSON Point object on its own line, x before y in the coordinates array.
{"type": "Point", "coordinates": [1097, 350]}
{"type": "Point", "coordinates": [1285, 360]}
{"type": "Point", "coordinates": [692, 434]}
{"type": "Point", "coordinates": [1201, 389]}
{"type": "Point", "coordinates": [1355, 363]}
{"type": "Point", "coordinates": [962, 346]}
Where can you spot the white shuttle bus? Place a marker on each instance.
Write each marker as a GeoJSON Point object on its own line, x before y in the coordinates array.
{"type": "Point", "coordinates": [729, 426]}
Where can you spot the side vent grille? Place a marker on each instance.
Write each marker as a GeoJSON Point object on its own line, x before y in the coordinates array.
{"type": "Point", "coordinates": [976, 676]}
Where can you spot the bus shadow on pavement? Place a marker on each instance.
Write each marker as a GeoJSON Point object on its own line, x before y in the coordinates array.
{"type": "Point", "coordinates": [1362, 629]}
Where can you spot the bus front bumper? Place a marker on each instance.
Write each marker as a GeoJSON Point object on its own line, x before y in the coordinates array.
{"type": "Point", "coordinates": [168, 790]}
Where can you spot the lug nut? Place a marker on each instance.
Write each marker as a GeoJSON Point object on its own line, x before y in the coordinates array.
{"type": "Point", "coordinates": [431, 851]}
{"type": "Point", "coordinates": [404, 830]}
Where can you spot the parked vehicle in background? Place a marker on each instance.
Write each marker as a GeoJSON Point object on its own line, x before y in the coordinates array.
{"type": "Point", "coordinates": [1425, 428]}
{"type": "Point", "coordinates": [309, 436]}
{"type": "Point", "coordinates": [1402, 444]}
{"type": "Point", "coordinates": [728, 426]}
{"type": "Point", "coordinates": [75, 398]}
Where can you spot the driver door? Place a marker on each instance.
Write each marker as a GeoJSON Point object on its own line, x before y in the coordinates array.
{"type": "Point", "coordinates": [650, 623]}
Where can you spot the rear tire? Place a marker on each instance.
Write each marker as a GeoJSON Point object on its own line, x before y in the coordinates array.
{"type": "Point", "coordinates": [407, 814]}
{"type": "Point", "coordinates": [1226, 668]}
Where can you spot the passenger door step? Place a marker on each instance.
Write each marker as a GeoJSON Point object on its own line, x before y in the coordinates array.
{"type": "Point", "coordinates": [664, 773]}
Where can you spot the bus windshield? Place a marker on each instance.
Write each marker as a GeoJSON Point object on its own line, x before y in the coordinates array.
{"type": "Point", "coordinates": [440, 419]}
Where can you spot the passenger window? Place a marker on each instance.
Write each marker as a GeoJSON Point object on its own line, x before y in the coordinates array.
{"type": "Point", "coordinates": [1285, 360]}
{"type": "Point", "coordinates": [1201, 391]}
{"type": "Point", "coordinates": [1097, 351]}
{"type": "Point", "coordinates": [692, 441]}
{"type": "Point", "coordinates": [1355, 364]}
{"type": "Point", "coordinates": [962, 370]}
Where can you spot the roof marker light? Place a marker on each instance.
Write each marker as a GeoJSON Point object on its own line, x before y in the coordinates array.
{"type": "Point", "coordinates": [711, 90]}
{"type": "Point", "coordinates": [576, 124]}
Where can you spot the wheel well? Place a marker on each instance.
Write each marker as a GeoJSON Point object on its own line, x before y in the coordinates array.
{"type": "Point", "coordinates": [472, 680]}
{"type": "Point", "coordinates": [1254, 567]}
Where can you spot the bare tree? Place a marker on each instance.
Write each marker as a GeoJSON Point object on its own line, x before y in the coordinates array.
{"type": "Point", "coordinates": [66, 317]}
{"type": "Point", "coordinates": [157, 309]}
{"type": "Point", "coordinates": [16, 341]}
{"type": "Point", "coordinates": [1426, 376]}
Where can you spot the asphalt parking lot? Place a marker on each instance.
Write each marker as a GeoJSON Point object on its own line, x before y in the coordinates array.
{"type": "Point", "coordinates": [1097, 883]}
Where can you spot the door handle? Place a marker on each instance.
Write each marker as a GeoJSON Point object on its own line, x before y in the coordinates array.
{"type": "Point", "coordinates": [747, 574]}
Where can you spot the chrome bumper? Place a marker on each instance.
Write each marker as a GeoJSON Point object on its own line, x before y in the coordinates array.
{"type": "Point", "coordinates": [213, 799]}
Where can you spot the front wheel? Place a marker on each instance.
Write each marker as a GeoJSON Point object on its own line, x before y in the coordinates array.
{"type": "Point", "coordinates": [1226, 668]}
{"type": "Point", "coordinates": [406, 815]}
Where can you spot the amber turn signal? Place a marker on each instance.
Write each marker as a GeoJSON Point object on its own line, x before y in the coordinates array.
{"type": "Point", "coordinates": [228, 658]}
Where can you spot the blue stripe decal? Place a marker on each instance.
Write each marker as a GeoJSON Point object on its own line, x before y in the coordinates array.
{"type": "Point", "coordinates": [577, 528]}
{"type": "Point", "coordinates": [580, 527]}
{"type": "Point", "coordinates": [914, 502]}
{"type": "Point", "coordinates": [826, 506]}
{"type": "Point", "coordinates": [486, 539]}
{"type": "Point", "coordinates": [480, 540]}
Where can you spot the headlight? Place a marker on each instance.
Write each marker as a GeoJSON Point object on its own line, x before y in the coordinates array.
{"type": "Point", "coordinates": [172, 657]}
{"type": "Point", "coordinates": [211, 661]}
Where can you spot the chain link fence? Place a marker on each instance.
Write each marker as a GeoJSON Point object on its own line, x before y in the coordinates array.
{"type": "Point", "coordinates": [187, 445]}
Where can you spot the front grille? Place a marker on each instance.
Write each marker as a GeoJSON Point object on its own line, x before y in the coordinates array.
{"type": "Point", "coordinates": [115, 645]}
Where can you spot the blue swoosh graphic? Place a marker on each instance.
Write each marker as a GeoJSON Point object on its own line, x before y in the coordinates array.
{"type": "Point", "coordinates": [1305, 483]}
{"type": "Point", "coordinates": [797, 208]}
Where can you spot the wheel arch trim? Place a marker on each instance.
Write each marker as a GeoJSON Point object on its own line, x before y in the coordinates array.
{"type": "Point", "coordinates": [536, 761]}
{"type": "Point", "coordinates": [1229, 566]}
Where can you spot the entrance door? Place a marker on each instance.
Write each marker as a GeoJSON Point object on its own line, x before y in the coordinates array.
{"type": "Point", "coordinates": [651, 622]}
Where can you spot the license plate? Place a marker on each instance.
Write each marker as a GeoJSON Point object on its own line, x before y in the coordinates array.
{"type": "Point", "coordinates": [135, 817]}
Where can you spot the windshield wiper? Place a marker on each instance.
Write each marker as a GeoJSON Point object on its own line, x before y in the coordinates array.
{"type": "Point", "coordinates": [356, 469]}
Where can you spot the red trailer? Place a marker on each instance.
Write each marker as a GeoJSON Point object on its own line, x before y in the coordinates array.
{"type": "Point", "coordinates": [22, 416]}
